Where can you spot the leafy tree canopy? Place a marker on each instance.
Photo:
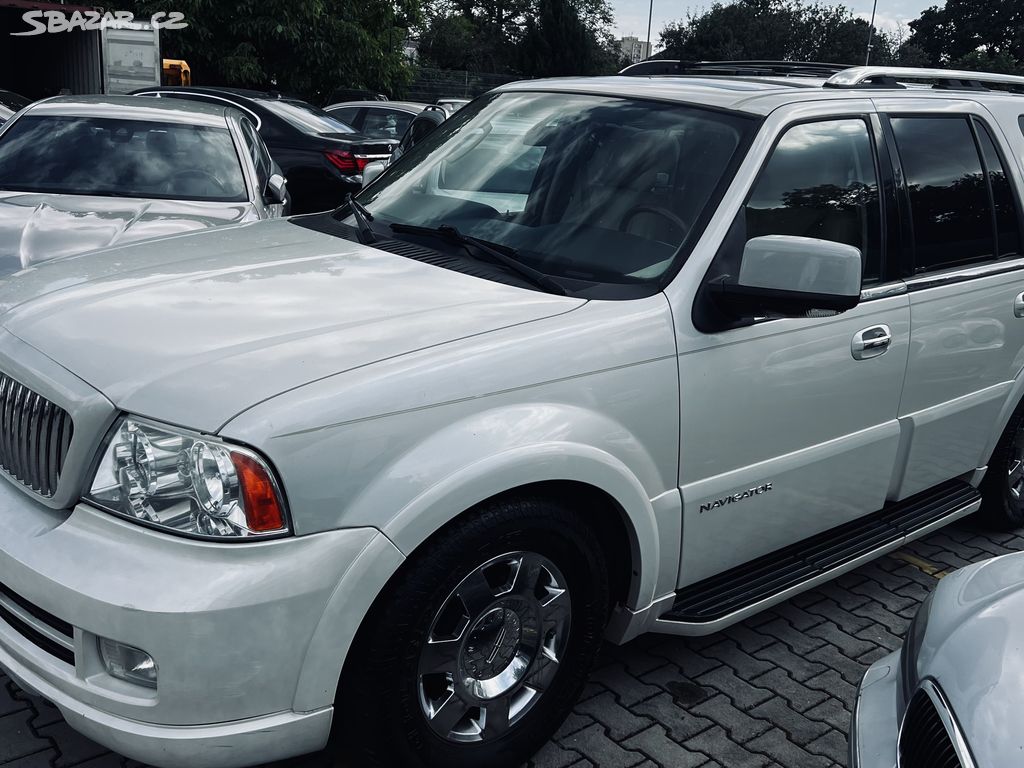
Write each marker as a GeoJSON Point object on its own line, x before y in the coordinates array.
{"type": "Point", "coordinates": [972, 34]}
{"type": "Point", "coordinates": [534, 38]}
{"type": "Point", "coordinates": [773, 30]}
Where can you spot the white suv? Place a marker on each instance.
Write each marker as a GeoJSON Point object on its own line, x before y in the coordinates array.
{"type": "Point", "coordinates": [598, 357]}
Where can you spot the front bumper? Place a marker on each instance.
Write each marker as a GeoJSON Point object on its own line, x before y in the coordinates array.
{"type": "Point", "coordinates": [233, 628]}
{"type": "Point", "coordinates": [224, 745]}
{"type": "Point", "coordinates": [874, 727]}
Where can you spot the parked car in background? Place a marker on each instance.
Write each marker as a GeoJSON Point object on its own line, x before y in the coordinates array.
{"type": "Point", "coordinates": [419, 128]}
{"type": "Point", "coordinates": [452, 104]}
{"type": "Point", "coordinates": [10, 102]}
{"type": "Point", "coordinates": [950, 697]}
{"type": "Point", "coordinates": [322, 157]}
{"type": "Point", "coordinates": [377, 119]}
{"type": "Point", "coordinates": [82, 173]}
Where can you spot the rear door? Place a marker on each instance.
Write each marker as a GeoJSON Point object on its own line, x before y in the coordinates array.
{"type": "Point", "coordinates": [966, 284]}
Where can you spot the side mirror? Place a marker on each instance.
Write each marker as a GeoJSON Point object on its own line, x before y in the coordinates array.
{"type": "Point", "coordinates": [372, 171]}
{"type": "Point", "coordinates": [791, 276]}
{"type": "Point", "coordinates": [276, 192]}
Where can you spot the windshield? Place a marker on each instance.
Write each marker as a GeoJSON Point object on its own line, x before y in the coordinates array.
{"type": "Point", "coordinates": [306, 117]}
{"type": "Point", "coordinates": [120, 158]}
{"type": "Point", "coordinates": [592, 188]}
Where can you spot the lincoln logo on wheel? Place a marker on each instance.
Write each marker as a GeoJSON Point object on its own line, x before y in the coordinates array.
{"type": "Point", "coordinates": [735, 497]}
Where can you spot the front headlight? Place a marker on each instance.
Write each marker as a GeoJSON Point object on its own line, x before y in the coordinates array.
{"type": "Point", "coordinates": [189, 484]}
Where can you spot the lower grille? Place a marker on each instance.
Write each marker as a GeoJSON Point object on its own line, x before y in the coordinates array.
{"type": "Point", "coordinates": [43, 629]}
{"type": "Point", "coordinates": [35, 435]}
{"type": "Point", "coordinates": [925, 738]}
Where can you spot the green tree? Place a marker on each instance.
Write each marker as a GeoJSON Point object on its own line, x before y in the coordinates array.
{"type": "Point", "coordinates": [786, 30]}
{"type": "Point", "coordinates": [530, 37]}
{"type": "Point", "coordinates": [308, 47]}
{"type": "Point", "coordinates": [559, 41]}
{"type": "Point", "coordinates": [972, 34]}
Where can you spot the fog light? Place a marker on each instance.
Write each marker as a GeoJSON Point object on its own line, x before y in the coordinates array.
{"type": "Point", "coordinates": [127, 663]}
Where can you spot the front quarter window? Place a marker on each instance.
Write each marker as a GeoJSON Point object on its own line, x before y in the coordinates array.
{"type": "Point", "coordinates": [593, 189]}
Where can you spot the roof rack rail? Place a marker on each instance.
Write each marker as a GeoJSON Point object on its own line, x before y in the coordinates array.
{"type": "Point", "coordinates": [946, 79]}
{"type": "Point", "coordinates": [733, 68]}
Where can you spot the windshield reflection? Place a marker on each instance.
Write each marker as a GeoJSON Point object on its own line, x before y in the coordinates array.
{"type": "Point", "coordinates": [585, 187]}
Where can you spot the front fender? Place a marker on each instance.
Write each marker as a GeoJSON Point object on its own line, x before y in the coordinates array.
{"type": "Point", "coordinates": [422, 470]}
{"type": "Point", "coordinates": [507, 470]}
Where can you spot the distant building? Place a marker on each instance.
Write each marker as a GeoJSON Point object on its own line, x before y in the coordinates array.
{"type": "Point", "coordinates": [634, 49]}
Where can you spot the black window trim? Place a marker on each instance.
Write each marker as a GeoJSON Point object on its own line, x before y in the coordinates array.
{"type": "Point", "coordinates": [954, 273]}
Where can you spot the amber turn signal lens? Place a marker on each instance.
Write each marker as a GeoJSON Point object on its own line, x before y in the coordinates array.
{"type": "Point", "coordinates": [263, 511]}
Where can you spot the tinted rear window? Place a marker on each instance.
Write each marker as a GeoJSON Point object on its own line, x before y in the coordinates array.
{"type": "Point", "coordinates": [949, 197]}
{"type": "Point", "coordinates": [120, 158]}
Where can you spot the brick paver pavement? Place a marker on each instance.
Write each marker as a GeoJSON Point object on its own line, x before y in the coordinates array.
{"type": "Point", "coordinates": [775, 690]}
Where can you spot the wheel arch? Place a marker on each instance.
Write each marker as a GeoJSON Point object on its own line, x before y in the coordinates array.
{"type": "Point", "coordinates": [632, 574]}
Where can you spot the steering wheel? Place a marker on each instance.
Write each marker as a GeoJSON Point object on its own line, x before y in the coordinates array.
{"type": "Point", "coordinates": [195, 173]}
{"type": "Point", "coordinates": [664, 213]}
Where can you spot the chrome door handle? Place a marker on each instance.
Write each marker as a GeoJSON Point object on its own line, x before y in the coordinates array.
{"type": "Point", "coordinates": [1018, 305]}
{"type": "Point", "coordinates": [871, 342]}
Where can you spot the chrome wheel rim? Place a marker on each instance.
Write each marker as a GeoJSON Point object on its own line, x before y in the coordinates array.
{"type": "Point", "coordinates": [494, 647]}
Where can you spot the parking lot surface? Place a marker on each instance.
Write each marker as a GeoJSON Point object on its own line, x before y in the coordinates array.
{"type": "Point", "coordinates": [774, 691]}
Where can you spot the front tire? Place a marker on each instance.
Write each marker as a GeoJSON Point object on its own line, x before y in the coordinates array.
{"type": "Point", "coordinates": [1002, 489]}
{"type": "Point", "coordinates": [477, 651]}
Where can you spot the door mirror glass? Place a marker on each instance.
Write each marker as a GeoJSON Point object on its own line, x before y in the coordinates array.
{"type": "Point", "coordinates": [372, 171]}
{"type": "Point", "coordinates": [792, 276]}
{"type": "Point", "coordinates": [276, 192]}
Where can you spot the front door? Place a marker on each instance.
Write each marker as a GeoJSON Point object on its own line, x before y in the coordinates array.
{"type": "Point", "coordinates": [789, 426]}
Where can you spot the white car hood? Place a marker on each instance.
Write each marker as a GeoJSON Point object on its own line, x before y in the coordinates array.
{"type": "Point", "coordinates": [36, 228]}
{"type": "Point", "coordinates": [195, 329]}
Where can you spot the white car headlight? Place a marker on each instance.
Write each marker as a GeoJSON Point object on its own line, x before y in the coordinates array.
{"type": "Point", "coordinates": [189, 484]}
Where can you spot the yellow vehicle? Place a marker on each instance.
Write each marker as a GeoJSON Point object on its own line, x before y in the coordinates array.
{"type": "Point", "coordinates": [176, 72]}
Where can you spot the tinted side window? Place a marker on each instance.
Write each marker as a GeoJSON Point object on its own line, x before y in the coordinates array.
{"type": "Point", "coordinates": [950, 209]}
{"type": "Point", "coordinates": [821, 182]}
{"type": "Point", "coordinates": [1007, 222]}
{"type": "Point", "coordinates": [348, 115]}
{"type": "Point", "coordinates": [386, 123]}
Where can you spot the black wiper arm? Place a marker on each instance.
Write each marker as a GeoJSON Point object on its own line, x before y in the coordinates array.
{"type": "Point", "coordinates": [503, 255]}
{"type": "Point", "coordinates": [362, 216]}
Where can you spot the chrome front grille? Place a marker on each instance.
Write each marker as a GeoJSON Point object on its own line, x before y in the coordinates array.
{"type": "Point", "coordinates": [929, 736]}
{"type": "Point", "coordinates": [35, 435]}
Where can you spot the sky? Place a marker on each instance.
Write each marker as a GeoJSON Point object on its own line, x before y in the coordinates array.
{"type": "Point", "coordinates": [631, 15]}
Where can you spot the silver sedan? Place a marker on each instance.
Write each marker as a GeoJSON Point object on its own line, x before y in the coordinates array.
{"type": "Point", "coordinates": [950, 698]}
{"type": "Point", "coordinates": [82, 173]}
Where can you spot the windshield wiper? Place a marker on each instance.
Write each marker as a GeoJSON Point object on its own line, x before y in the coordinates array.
{"type": "Point", "coordinates": [363, 217]}
{"type": "Point", "coordinates": [503, 255]}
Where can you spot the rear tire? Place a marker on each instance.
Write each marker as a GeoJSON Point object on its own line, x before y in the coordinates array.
{"type": "Point", "coordinates": [479, 647]}
{"type": "Point", "coordinates": [1002, 490]}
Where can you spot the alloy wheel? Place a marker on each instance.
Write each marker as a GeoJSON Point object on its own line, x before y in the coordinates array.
{"type": "Point", "coordinates": [494, 647]}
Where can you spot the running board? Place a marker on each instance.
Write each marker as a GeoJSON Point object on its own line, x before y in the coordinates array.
{"type": "Point", "coordinates": [816, 559]}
